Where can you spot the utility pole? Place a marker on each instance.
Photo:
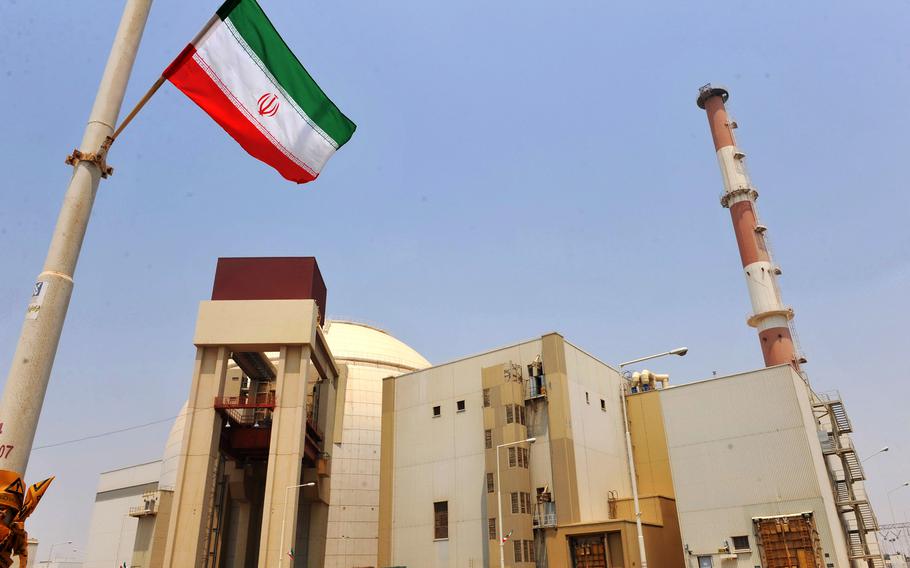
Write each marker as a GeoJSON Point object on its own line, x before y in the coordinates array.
{"type": "Point", "coordinates": [26, 384]}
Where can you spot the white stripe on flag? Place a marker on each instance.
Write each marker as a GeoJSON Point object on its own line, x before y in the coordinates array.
{"type": "Point", "coordinates": [247, 83]}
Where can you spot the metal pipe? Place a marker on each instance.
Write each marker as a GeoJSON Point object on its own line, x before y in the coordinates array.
{"type": "Point", "coordinates": [632, 476]}
{"type": "Point", "coordinates": [284, 516]}
{"type": "Point", "coordinates": [30, 370]}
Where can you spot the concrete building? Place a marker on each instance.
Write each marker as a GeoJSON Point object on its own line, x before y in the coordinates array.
{"type": "Point", "coordinates": [112, 530]}
{"type": "Point", "coordinates": [566, 498]}
{"type": "Point", "coordinates": [370, 355]}
{"type": "Point", "coordinates": [133, 505]}
{"type": "Point", "coordinates": [748, 460]}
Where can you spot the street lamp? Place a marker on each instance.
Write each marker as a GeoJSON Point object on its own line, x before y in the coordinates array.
{"type": "Point", "coordinates": [681, 351]}
{"type": "Point", "coordinates": [284, 516]}
{"type": "Point", "coordinates": [50, 557]}
{"type": "Point", "coordinates": [502, 544]}
{"type": "Point", "coordinates": [881, 451]}
{"type": "Point", "coordinates": [890, 503]}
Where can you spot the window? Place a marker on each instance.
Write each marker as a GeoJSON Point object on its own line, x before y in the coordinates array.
{"type": "Point", "coordinates": [740, 542]}
{"type": "Point", "coordinates": [491, 486]}
{"type": "Point", "coordinates": [441, 520]}
{"type": "Point", "coordinates": [705, 562]}
{"type": "Point", "coordinates": [515, 413]}
{"type": "Point", "coordinates": [519, 457]}
{"type": "Point", "coordinates": [587, 398]}
{"type": "Point", "coordinates": [486, 398]}
{"type": "Point", "coordinates": [603, 405]}
{"type": "Point", "coordinates": [437, 411]}
{"type": "Point", "coordinates": [491, 527]}
{"type": "Point", "coordinates": [510, 413]}
{"type": "Point", "coordinates": [521, 503]}
{"type": "Point", "coordinates": [529, 550]}
{"type": "Point", "coordinates": [520, 410]}
{"type": "Point", "coordinates": [518, 549]}
{"type": "Point", "coordinates": [459, 406]}
{"type": "Point", "coordinates": [488, 439]}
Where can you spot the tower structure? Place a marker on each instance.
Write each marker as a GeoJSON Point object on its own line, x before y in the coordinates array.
{"type": "Point", "coordinates": [769, 315]}
{"type": "Point", "coordinates": [253, 481]}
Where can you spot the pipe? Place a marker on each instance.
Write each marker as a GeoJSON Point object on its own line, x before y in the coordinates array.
{"type": "Point", "coordinates": [632, 476]}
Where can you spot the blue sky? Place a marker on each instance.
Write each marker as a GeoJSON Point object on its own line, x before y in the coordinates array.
{"type": "Point", "coordinates": [519, 167]}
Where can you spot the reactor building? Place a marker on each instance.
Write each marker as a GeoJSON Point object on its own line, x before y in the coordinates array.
{"type": "Point", "coordinates": [307, 442]}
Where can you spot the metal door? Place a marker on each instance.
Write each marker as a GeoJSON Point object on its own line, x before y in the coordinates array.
{"type": "Point", "coordinates": [589, 552]}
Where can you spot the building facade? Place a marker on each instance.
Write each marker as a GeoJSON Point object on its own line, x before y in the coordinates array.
{"type": "Point", "coordinates": [454, 449]}
{"type": "Point", "coordinates": [756, 475]}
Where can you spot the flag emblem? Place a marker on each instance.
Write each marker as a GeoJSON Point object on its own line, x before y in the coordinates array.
{"type": "Point", "coordinates": [240, 71]}
{"type": "Point", "coordinates": [268, 104]}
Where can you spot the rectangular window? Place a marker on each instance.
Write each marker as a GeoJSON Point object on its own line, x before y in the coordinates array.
{"type": "Point", "coordinates": [488, 439]}
{"type": "Point", "coordinates": [587, 398]}
{"type": "Point", "coordinates": [603, 405]}
{"type": "Point", "coordinates": [518, 547]}
{"type": "Point", "coordinates": [740, 542]}
{"type": "Point", "coordinates": [437, 411]}
{"type": "Point", "coordinates": [491, 527]}
{"type": "Point", "coordinates": [486, 398]}
{"type": "Point", "coordinates": [527, 454]}
{"type": "Point", "coordinates": [510, 414]}
{"type": "Point", "coordinates": [529, 552]}
{"type": "Point", "coordinates": [459, 406]}
{"type": "Point", "coordinates": [515, 505]}
{"type": "Point", "coordinates": [441, 520]}
{"type": "Point", "coordinates": [528, 506]}
{"type": "Point", "coordinates": [512, 459]}
{"type": "Point", "coordinates": [491, 486]}
{"type": "Point", "coordinates": [520, 410]}
{"type": "Point", "coordinates": [524, 502]}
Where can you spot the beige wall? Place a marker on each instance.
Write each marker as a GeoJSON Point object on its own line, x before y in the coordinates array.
{"type": "Point", "coordinates": [746, 446]}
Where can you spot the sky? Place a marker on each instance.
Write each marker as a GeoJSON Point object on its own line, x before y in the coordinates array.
{"type": "Point", "coordinates": [518, 168]}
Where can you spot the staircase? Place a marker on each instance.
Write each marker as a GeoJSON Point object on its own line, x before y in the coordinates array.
{"type": "Point", "coordinates": [857, 517]}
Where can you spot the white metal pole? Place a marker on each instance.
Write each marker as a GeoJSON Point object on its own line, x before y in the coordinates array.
{"type": "Point", "coordinates": [284, 516]}
{"type": "Point", "coordinates": [502, 545]}
{"type": "Point", "coordinates": [30, 370]}
{"type": "Point", "coordinates": [632, 476]}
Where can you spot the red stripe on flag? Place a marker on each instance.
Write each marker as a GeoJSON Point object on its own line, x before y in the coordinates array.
{"type": "Point", "coordinates": [186, 74]}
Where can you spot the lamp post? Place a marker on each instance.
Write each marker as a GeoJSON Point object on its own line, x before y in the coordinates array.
{"type": "Point", "coordinates": [502, 544]}
{"type": "Point", "coordinates": [50, 556]}
{"type": "Point", "coordinates": [870, 456]}
{"type": "Point", "coordinates": [681, 351]}
{"type": "Point", "coordinates": [284, 516]}
{"type": "Point", "coordinates": [891, 503]}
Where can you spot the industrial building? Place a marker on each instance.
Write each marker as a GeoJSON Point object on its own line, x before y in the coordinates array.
{"type": "Point", "coordinates": [133, 505]}
{"type": "Point", "coordinates": [459, 477]}
{"type": "Point", "coordinates": [313, 443]}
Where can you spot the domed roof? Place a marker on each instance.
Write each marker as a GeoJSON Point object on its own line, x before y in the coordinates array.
{"type": "Point", "coordinates": [171, 458]}
{"type": "Point", "coordinates": [353, 342]}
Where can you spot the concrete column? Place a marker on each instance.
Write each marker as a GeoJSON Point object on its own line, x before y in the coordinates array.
{"type": "Point", "coordinates": [194, 490]}
{"type": "Point", "coordinates": [286, 449]}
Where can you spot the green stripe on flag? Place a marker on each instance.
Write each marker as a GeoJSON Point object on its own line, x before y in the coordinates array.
{"type": "Point", "coordinates": [260, 35]}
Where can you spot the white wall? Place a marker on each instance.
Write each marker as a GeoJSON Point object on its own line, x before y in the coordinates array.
{"type": "Point", "coordinates": [112, 531]}
{"type": "Point", "coordinates": [600, 448]}
{"type": "Point", "coordinates": [741, 447]}
{"type": "Point", "coordinates": [442, 459]}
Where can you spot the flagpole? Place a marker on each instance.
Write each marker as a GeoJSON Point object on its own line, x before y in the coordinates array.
{"type": "Point", "coordinates": [26, 384]}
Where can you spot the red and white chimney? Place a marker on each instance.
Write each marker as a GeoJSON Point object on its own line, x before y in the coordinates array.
{"type": "Point", "coordinates": [769, 316]}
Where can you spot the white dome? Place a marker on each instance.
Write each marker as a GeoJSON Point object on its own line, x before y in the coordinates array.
{"type": "Point", "coordinates": [359, 343]}
{"type": "Point", "coordinates": [171, 458]}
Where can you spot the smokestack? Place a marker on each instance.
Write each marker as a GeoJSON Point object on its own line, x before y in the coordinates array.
{"type": "Point", "coordinates": [769, 316]}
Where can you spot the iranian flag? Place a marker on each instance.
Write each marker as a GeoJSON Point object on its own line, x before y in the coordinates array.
{"type": "Point", "coordinates": [240, 71]}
